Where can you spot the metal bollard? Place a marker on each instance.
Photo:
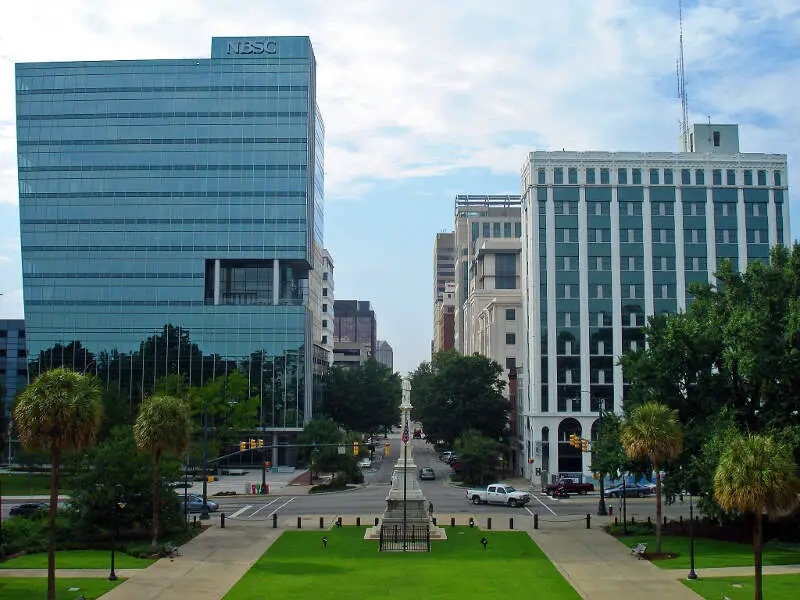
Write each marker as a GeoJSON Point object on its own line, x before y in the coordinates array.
{"type": "Point", "coordinates": [511, 523]}
{"type": "Point", "coordinates": [588, 521]}
{"type": "Point", "coordinates": [616, 520]}
{"type": "Point", "coordinates": [321, 523]}
{"type": "Point", "coordinates": [358, 521]}
{"type": "Point", "coordinates": [274, 520]}
{"type": "Point", "coordinates": [648, 521]}
{"type": "Point", "coordinates": [222, 520]}
{"type": "Point", "coordinates": [452, 521]}
{"type": "Point", "coordinates": [489, 523]}
{"type": "Point", "coordinates": [194, 520]}
{"type": "Point", "coordinates": [299, 523]}
{"type": "Point", "coordinates": [536, 521]}
{"type": "Point", "coordinates": [665, 522]}
{"type": "Point", "coordinates": [633, 519]}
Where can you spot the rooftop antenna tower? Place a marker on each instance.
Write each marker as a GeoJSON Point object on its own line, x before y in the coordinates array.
{"type": "Point", "coordinates": [685, 137]}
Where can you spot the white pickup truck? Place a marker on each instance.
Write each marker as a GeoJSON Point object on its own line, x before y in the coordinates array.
{"type": "Point", "coordinates": [499, 493]}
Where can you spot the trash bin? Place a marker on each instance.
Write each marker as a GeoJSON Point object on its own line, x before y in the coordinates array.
{"type": "Point", "coordinates": [253, 488]}
{"type": "Point", "coordinates": [247, 488]}
{"type": "Point", "coordinates": [265, 489]}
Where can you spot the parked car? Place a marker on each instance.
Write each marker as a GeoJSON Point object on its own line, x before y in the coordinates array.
{"type": "Point", "coordinates": [633, 490]}
{"type": "Point", "coordinates": [445, 456]}
{"type": "Point", "coordinates": [427, 473]}
{"type": "Point", "coordinates": [569, 486]}
{"type": "Point", "coordinates": [498, 493]}
{"type": "Point", "coordinates": [195, 504]}
{"type": "Point", "coordinates": [28, 509]}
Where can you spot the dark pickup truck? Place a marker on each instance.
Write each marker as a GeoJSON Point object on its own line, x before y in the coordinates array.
{"type": "Point", "coordinates": [569, 486]}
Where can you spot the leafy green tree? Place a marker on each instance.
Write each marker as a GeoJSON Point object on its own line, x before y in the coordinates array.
{"type": "Point", "coordinates": [608, 454]}
{"type": "Point", "coordinates": [364, 398]}
{"type": "Point", "coordinates": [162, 426]}
{"type": "Point", "coordinates": [321, 430]}
{"type": "Point", "coordinates": [60, 409]}
{"type": "Point", "coordinates": [758, 476]}
{"type": "Point", "coordinates": [653, 431]}
{"type": "Point", "coordinates": [479, 457]}
{"type": "Point", "coordinates": [116, 461]}
{"type": "Point", "coordinates": [454, 394]}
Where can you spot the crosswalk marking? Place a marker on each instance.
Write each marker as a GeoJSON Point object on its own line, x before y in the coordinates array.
{"type": "Point", "coordinates": [240, 511]}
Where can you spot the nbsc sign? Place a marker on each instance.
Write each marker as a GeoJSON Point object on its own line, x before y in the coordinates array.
{"type": "Point", "coordinates": [254, 47]}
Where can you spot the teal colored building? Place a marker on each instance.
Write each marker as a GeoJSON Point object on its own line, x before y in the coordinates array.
{"type": "Point", "coordinates": [170, 212]}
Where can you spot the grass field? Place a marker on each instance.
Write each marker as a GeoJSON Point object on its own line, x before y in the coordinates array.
{"type": "Point", "coordinates": [774, 587]}
{"type": "Point", "coordinates": [77, 559]}
{"type": "Point", "coordinates": [23, 484]}
{"type": "Point", "coordinates": [297, 567]}
{"type": "Point", "coordinates": [710, 553]}
{"type": "Point", "coordinates": [36, 587]}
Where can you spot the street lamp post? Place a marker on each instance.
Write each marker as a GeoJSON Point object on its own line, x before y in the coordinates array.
{"type": "Point", "coordinates": [601, 505]}
{"type": "Point", "coordinates": [204, 512]}
{"type": "Point", "coordinates": [692, 573]}
{"type": "Point", "coordinates": [118, 505]}
{"type": "Point", "coordinates": [624, 507]}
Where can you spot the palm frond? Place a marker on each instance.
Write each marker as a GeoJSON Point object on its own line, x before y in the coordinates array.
{"type": "Point", "coordinates": [754, 474]}
{"type": "Point", "coordinates": [652, 431]}
{"type": "Point", "coordinates": [162, 425]}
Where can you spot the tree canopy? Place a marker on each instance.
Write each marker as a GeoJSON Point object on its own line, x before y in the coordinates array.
{"type": "Point", "coordinates": [454, 394]}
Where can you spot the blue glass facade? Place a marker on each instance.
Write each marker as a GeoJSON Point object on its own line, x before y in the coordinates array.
{"type": "Point", "coordinates": [170, 211]}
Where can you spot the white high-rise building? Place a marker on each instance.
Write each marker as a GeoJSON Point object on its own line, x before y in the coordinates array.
{"type": "Point", "coordinates": [610, 238]}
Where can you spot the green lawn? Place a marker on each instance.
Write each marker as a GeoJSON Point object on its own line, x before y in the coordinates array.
{"type": "Point", "coordinates": [21, 484]}
{"type": "Point", "coordinates": [297, 567]}
{"type": "Point", "coordinates": [77, 559]}
{"type": "Point", "coordinates": [36, 587]}
{"type": "Point", "coordinates": [774, 587]}
{"type": "Point", "coordinates": [710, 553]}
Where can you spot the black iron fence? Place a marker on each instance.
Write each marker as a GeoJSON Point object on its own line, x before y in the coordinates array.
{"type": "Point", "coordinates": [412, 538]}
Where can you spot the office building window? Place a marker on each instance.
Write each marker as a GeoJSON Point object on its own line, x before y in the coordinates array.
{"type": "Point", "coordinates": [668, 178]}
{"type": "Point", "coordinates": [324, 322]}
{"type": "Point", "coordinates": [541, 177]}
{"type": "Point", "coordinates": [664, 209]}
{"type": "Point", "coordinates": [505, 271]}
{"type": "Point", "coordinates": [567, 235]}
{"type": "Point", "coordinates": [601, 319]}
{"type": "Point", "coordinates": [631, 236]}
{"type": "Point", "coordinates": [699, 177]}
{"type": "Point", "coordinates": [476, 232]}
{"type": "Point", "coordinates": [511, 314]}
{"type": "Point", "coordinates": [558, 175]}
{"type": "Point", "coordinates": [324, 291]}
{"type": "Point", "coordinates": [762, 177]}
{"type": "Point", "coordinates": [324, 339]}
{"type": "Point", "coordinates": [517, 229]}
{"type": "Point", "coordinates": [695, 263]}
{"type": "Point", "coordinates": [599, 208]}
{"type": "Point", "coordinates": [757, 209]}
{"type": "Point", "coordinates": [631, 209]}
{"type": "Point", "coordinates": [600, 263]}
{"type": "Point", "coordinates": [605, 177]}
{"type": "Point", "coordinates": [730, 175]}
{"type": "Point", "coordinates": [637, 177]}
{"type": "Point", "coordinates": [725, 209]}
{"type": "Point", "coordinates": [572, 175]}
{"type": "Point", "coordinates": [569, 263]}
{"type": "Point", "coordinates": [590, 177]}
{"type": "Point", "coordinates": [664, 236]}
{"type": "Point", "coordinates": [695, 236]}
{"type": "Point", "coordinates": [686, 177]}
{"type": "Point", "coordinates": [496, 230]}
{"type": "Point", "coordinates": [325, 308]}
{"type": "Point", "coordinates": [726, 236]}
{"type": "Point", "coordinates": [487, 230]}
{"type": "Point", "coordinates": [622, 176]}
{"type": "Point", "coordinates": [777, 178]}
{"type": "Point", "coordinates": [663, 263]}
{"type": "Point", "coordinates": [511, 338]}
{"type": "Point", "coordinates": [653, 176]}
{"type": "Point", "coordinates": [757, 236]}
{"type": "Point", "coordinates": [602, 290]}
{"type": "Point", "coordinates": [716, 177]}
{"type": "Point", "coordinates": [748, 177]}
{"type": "Point", "coordinates": [507, 229]}
{"type": "Point", "coordinates": [631, 263]}
{"type": "Point", "coordinates": [325, 276]}
{"type": "Point", "coordinates": [511, 363]}
{"type": "Point", "coordinates": [694, 209]}
{"type": "Point", "coordinates": [599, 235]}
{"type": "Point", "coordinates": [715, 135]}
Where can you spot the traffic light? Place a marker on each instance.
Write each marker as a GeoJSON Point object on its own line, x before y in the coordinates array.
{"type": "Point", "coordinates": [387, 450]}
{"type": "Point", "coordinates": [260, 443]}
{"type": "Point", "coordinates": [574, 441]}
{"type": "Point", "coordinates": [266, 464]}
{"type": "Point", "coordinates": [252, 443]}
{"type": "Point", "coordinates": [242, 446]}
{"type": "Point", "coordinates": [355, 448]}
{"type": "Point", "coordinates": [584, 445]}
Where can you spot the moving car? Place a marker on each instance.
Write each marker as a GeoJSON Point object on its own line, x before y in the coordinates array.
{"type": "Point", "coordinates": [195, 504]}
{"type": "Point", "coordinates": [633, 490]}
{"type": "Point", "coordinates": [28, 509]}
{"type": "Point", "coordinates": [569, 486]}
{"type": "Point", "coordinates": [498, 493]}
{"type": "Point", "coordinates": [427, 473]}
{"type": "Point", "coordinates": [365, 463]}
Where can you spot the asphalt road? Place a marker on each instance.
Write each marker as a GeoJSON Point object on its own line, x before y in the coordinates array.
{"type": "Point", "coordinates": [370, 500]}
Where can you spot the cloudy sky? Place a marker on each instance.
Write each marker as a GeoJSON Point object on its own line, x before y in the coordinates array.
{"type": "Point", "coordinates": [426, 99]}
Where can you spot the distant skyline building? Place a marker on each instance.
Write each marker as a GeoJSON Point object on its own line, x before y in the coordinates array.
{"type": "Point", "coordinates": [350, 354]}
{"type": "Point", "coordinates": [444, 320]}
{"type": "Point", "coordinates": [354, 322]}
{"type": "Point", "coordinates": [443, 273]}
{"type": "Point", "coordinates": [326, 334]}
{"type": "Point", "coordinates": [385, 354]}
{"type": "Point", "coordinates": [171, 213]}
{"type": "Point", "coordinates": [611, 238]}
{"type": "Point", "coordinates": [13, 361]}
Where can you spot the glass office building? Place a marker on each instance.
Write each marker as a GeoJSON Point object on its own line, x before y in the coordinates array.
{"type": "Point", "coordinates": [170, 212]}
{"type": "Point", "coordinates": [611, 238]}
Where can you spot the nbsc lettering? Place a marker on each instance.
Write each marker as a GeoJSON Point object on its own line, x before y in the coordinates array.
{"type": "Point", "coordinates": [255, 47]}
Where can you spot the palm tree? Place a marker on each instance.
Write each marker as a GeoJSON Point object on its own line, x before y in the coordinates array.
{"type": "Point", "coordinates": [60, 410]}
{"type": "Point", "coordinates": [757, 475]}
{"type": "Point", "coordinates": [161, 426]}
{"type": "Point", "coordinates": [653, 431]}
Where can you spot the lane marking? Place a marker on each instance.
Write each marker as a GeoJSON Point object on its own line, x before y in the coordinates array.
{"type": "Point", "coordinates": [263, 506]}
{"type": "Point", "coordinates": [240, 511]}
{"type": "Point", "coordinates": [545, 505]}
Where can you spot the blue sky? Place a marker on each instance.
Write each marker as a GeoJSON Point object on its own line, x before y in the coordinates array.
{"type": "Point", "coordinates": [425, 100]}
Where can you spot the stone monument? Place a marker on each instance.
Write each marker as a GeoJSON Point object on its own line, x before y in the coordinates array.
{"type": "Point", "coordinates": [406, 514]}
